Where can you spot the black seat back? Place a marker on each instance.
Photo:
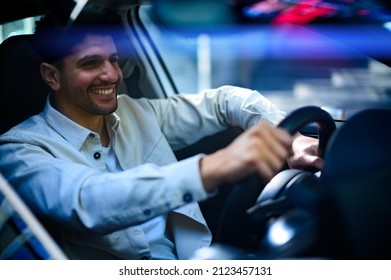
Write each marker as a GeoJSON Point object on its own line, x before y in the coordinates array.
{"type": "Point", "coordinates": [356, 180]}
{"type": "Point", "coordinates": [23, 91]}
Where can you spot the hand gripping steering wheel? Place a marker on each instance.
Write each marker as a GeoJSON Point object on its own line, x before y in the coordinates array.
{"type": "Point", "coordinates": [234, 227]}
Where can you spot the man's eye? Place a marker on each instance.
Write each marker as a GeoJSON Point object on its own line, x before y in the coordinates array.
{"type": "Point", "coordinates": [114, 59]}
{"type": "Point", "coordinates": [90, 64]}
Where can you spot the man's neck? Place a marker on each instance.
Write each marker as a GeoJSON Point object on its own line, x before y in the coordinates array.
{"type": "Point", "coordinates": [96, 123]}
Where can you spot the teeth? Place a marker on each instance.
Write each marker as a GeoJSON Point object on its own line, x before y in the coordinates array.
{"type": "Point", "coordinates": [103, 91]}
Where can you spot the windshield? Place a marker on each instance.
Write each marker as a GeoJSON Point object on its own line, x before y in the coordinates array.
{"type": "Point", "coordinates": [293, 65]}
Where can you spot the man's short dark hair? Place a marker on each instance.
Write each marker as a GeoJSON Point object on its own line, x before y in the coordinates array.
{"type": "Point", "coordinates": [55, 36]}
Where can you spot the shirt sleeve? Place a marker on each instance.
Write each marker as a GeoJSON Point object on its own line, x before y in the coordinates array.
{"type": "Point", "coordinates": [90, 200]}
{"type": "Point", "coordinates": [211, 111]}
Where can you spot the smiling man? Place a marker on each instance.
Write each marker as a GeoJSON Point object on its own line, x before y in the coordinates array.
{"type": "Point", "coordinates": [85, 83]}
{"type": "Point", "coordinates": [99, 167]}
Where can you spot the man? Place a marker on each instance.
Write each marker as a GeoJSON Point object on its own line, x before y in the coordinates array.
{"type": "Point", "coordinates": [99, 169]}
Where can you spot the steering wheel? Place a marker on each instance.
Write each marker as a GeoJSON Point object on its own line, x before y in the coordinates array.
{"type": "Point", "coordinates": [234, 227]}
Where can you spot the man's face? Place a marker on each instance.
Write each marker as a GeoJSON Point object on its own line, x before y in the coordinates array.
{"type": "Point", "coordinates": [90, 78]}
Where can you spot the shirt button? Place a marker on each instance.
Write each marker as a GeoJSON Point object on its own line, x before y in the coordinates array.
{"type": "Point", "coordinates": [97, 155]}
{"type": "Point", "coordinates": [92, 135]}
{"type": "Point", "coordinates": [187, 197]}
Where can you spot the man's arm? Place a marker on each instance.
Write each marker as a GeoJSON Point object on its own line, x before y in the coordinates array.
{"type": "Point", "coordinates": [185, 119]}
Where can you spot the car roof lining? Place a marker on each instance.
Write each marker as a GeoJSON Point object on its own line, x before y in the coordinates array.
{"type": "Point", "coordinates": [13, 10]}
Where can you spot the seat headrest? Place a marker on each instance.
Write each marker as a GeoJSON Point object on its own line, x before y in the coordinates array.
{"type": "Point", "coordinates": [23, 91]}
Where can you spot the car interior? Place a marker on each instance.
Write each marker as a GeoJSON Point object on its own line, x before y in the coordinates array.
{"type": "Point", "coordinates": [342, 212]}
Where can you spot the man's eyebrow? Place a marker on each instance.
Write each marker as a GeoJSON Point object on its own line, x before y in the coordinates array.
{"type": "Point", "coordinates": [96, 57]}
{"type": "Point", "coordinates": [90, 57]}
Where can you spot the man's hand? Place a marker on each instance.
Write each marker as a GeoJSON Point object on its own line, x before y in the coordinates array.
{"type": "Point", "coordinates": [262, 149]}
{"type": "Point", "coordinates": [304, 154]}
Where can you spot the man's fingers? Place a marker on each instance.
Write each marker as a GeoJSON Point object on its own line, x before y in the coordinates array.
{"type": "Point", "coordinates": [275, 144]}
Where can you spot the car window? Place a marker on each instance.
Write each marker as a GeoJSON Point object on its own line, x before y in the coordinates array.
{"type": "Point", "coordinates": [24, 26]}
{"type": "Point", "coordinates": [293, 65]}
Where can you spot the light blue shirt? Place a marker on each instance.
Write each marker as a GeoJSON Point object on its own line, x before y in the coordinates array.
{"type": "Point", "coordinates": [60, 170]}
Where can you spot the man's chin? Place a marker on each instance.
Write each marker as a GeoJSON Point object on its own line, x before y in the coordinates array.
{"type": "Point", "coordinates": [102, 110]}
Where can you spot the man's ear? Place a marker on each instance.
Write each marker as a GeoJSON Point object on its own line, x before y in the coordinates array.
{"type": "Point", "coordinates": [51, 75]}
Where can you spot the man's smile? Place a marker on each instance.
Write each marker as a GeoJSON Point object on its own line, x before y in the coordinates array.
{"type": "Point", "coordinates": [103, 91]}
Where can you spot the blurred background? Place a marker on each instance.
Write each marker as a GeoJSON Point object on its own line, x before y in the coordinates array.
{"type": "Point", "coordinates": [330, 53]}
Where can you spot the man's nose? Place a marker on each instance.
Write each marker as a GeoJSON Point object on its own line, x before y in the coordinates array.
{"type": "Point", "coordinates": [109, 72]}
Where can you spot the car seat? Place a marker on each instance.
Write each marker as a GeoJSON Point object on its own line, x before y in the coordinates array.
{"type": "Point", "coordinates": [23, 94]}
{"type": "Point", "coordinates": [355, 215]}
{"type": "Point", "coordinates": [23, 91]}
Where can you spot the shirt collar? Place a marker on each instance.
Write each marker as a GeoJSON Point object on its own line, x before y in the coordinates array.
{"type": "Point", "coordinates": [70, 130]}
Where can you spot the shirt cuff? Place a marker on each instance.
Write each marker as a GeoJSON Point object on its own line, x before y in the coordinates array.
{"type": "Point", "coordinates": [185, 174]}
